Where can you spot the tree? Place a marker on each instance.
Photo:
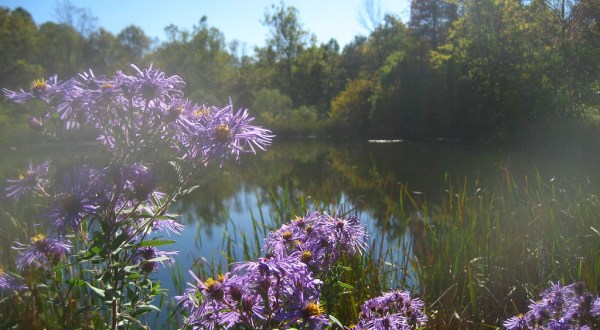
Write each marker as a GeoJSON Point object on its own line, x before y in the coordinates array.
{"type": "Point", "coordinates": [200, 57]}
{"type": "Point", "coordinates": [80, 19]}
{"type": "Point", "coordinates": [18, 48]}
{"type": "Point", "coordinates": [134, 42]}
{"type": "Point", "coordinates": [287, 40]}
{"type": "Point", "coordinates": [350, 109]}
{"type": "Point", "coordinates": [62, 49]}
{"type": "Point", "coordinates": [103, 52]}
{"type": "Point", "coordinates": [431, 19]}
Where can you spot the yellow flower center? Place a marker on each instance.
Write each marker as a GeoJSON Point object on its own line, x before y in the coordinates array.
{"type": "Point", "coordinates": [306, 256]}
{"type": "Point", "coordinates": [1, 271]}
{"type": "Point", "coordinates": [287, 235]}
{"type": "Point", "coordinates": [200, 112]}
{"type": "Point", "coordinates": [38, 86]}
{"type": "Point", "coordinates": [106, 86]}
{"type": "Point", "coordinates": [223, 133]}
{"type": "Point", "coordinates": [210, 282]}
{"type": "Point", "coordinates": [312, 309]}
{"type": "Point", "coordinates": [38, 238]}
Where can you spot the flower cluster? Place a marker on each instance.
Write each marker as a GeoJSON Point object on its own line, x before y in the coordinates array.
{"type": "Point", "coordinates": [259, 294]}
{"type": "Point", "coordinates": [279, 290]}
{"type": "Point", "coordinates": [392, 310]}
{"type": "Point", "coordinates": [318, 238]}
{"type": "Point", "coordinates": [134, 115]}
{"type": "Point", "coordinates": [560, 307]}
{"type": "Point", "coordinates": [115, 212]}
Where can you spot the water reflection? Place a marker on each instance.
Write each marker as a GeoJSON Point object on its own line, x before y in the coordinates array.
{"type": "Point", "coordinates": [361, 177]}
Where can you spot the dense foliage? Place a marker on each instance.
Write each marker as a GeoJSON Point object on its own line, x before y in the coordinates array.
{"type": "Point", "coordinates": [491, 69]}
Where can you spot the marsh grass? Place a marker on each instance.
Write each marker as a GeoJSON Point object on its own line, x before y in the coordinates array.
{"type": "Point", "coordinates": [475, 254]}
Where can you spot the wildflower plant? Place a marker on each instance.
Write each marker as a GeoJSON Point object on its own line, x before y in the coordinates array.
{"type": "Point", "coordinates": [560, 307]}
{"type": "Point", "coordinates": [101, 231]}
{"type": "Point", "coordinates": [284, 289]}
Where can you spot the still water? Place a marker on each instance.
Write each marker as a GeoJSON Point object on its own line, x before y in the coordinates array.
{"type": "Point", "coordinates": [363, 177]}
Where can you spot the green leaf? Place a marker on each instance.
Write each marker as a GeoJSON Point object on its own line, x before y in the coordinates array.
{"type": "Point", "coordinates": [96, 290]}
{"type": "Point", "coordinates": [76, 282]}
{"type": "Point", "coordinates": [345, 285]}
{"type": "Point", "coordinates": [86, 309]}
{"type": "Point", "coordinates": [156, 242]}
{"type": "Point", "coordinates": [334, 320]}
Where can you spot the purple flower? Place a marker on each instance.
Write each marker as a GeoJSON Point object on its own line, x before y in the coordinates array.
{"type": "Point", "coordinates": [347, 234]}
{"type": "Point", "coordinates": [595, 311]}
{"type": "Point", "coordinates": [9, 283]}
{"type": "Point", "coordinates": [516, 323]}
{"type": "Point", "coordinates": [392, 310]}
{"type": "Point", "coordinates": [319, 238]}
{"type": "Point", "coordinates": [141, 181]}
{"type": "Point", "coordinates": [41, 89]}
{"type": "Point", "coordinates": [217, 133]}
{"type": "Point", "coordinates": [308, 314]}
{"type": "Point", "coordinates": [559, 307]}
{"type": "Point", "coordinates": [255, 293]}
{"type": "Point", "coordinates": [168, 226]}
{"type": "Point", "coordinates": [152, 84]}
{"type": "Point", "coordinates": [74, 200]}
{"type": "Point", "coordinates": [42, 252]}
{"type": "Point", "coordinates": [150, 258]}
{"type": "Point", "coordinates": [34, 179]}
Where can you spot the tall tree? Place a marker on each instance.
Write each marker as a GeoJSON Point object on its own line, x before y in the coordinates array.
{"type": "Point", "coordinates": [286, 41]}
{"type": "Point", "coordinates": [18, 48]}
{"type": "Point", "coordinates": [431, 19]}
{"type": "Point", "coordinates": [80, 19]}
{"type": "Point", "coordinates": [134, 42]}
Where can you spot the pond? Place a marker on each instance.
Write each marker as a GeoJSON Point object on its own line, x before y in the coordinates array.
{"type": "Point", "coordinates": [363, 177]}
{"type": "Point", "coordinates": [224, 216]}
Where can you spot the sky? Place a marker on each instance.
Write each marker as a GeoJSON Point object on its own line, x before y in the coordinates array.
{"type": "Point", "coordinates": [237, 19]}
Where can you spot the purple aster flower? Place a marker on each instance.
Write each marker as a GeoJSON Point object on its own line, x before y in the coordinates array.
{"type": "Point", "coordinates": [348, 235]}
{"type": "Point", "coordinates": [392, 310]}
{"type": "Point", "coordinates": [224, 303]}
{"type": "Point", "coordinates": [595, 310]}
{"type": "Point", "coordinates": [168, 225]}
{"type": "Point", "coordinates": [34, 179]}
{"type": "Point", "coordinates": [9, 283]}
{"type": "Point", "coordinates": [152, 84]}
{"type": "Point", "coordinates": [150, 258]}
{"type": "Point", "coordinates": [42, 252]}
{"type": "Point", "coordinates": [319, 238]}
{"type": "Point", "coordinates": [559, 307]}
{"type": "Point", "coordinates": [74, 201]}
{"type": "Point", "coordinates": [141, 181]}
{"type": "Point", "coordinates": [308, 314]}
{"type": "Point", "coordinates": [41, 89]}
{"type": "Point", "coordinates": [218, 133]}
{"type": "Point", "coordinates": [518, 322]}
{"type": "Point", "coordinates": [254, 293]}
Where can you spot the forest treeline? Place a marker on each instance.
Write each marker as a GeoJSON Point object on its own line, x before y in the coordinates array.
{"type": "Point", "coordinates": [467, 69]}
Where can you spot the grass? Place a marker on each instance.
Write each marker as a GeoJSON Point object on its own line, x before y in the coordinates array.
{"type": "Point", "coordinates": [475, 256]}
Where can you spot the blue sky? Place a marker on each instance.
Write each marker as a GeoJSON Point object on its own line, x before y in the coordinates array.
{"type": "Point", "coordinates": [236, 19]}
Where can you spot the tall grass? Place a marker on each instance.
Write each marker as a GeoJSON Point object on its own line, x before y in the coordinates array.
{"type": "Point", "coordinates": [480, 254]}
{"type": "Point", "coordinates": [475, 255]}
